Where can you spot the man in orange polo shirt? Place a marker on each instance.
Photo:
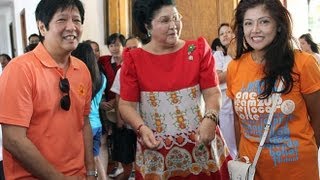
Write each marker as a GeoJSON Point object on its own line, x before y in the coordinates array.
{"type": "Point", "coordinates": [45, 101]}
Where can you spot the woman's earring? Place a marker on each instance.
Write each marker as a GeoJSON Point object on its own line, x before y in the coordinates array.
{"type": "Point", "coordinates": [279, 29]}
{"type": "Point", "coordinates": [148, 33]}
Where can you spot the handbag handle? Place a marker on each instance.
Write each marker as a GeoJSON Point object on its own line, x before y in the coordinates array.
{"type": "Point", "coordinates": [275, 98]}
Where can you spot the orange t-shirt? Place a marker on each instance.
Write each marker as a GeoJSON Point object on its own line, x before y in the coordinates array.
{"type": "Point", "coordinates": [290, 151]}
{"type": "Point", "coordinates": [30, 97]}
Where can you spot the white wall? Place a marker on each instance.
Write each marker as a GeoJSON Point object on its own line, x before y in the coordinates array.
{"type": "Point", "coordinates": [5, 19]}
{"type": "Point", "coordinates": [31, 26]}
{"type": "Point", "coordinates": [299, 14]}
{"type": "Point", "coordinates": [93, 27]}
{"type": "Point", "coordinates": [315, 18]}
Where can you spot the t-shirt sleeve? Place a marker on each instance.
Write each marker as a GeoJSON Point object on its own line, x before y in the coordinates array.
{"type": "Point", "coordinates": [129, 90]}
{"type": "Point", "coordinates": [116, 83]}
{"type": "Point", "coordinates": [310, 76]}
{"type": "Point", "coordinates": [16, 95]}
{"type": "Point", "coordinates": [230, 72]}
{"type": "Point", "coordinates": [208, 75]}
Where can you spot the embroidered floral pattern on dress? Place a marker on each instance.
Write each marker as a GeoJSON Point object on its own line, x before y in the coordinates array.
{"type": "Point", "coordinates": [158, 118]}
{"type": "Point", "coordinates": [178, 159]}
{"type": "Point", "coordinates": [201, 156]}
{"type": "Point", "coordinates": [154, 161]}
{"type": "Point", "coordinates": [180, 118]}
{"type": "Point", "coordinates": [174, 97]}
{"type": "Point", "coordinates": [139, 156]}
{"type": "Point", "coordinates": [176, 114]}
{"type": "Point", "coordinates": [174, 118]}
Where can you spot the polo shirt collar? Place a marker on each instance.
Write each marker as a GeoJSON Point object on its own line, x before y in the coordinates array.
{"type": "Point", "coordinates": [45, 58]}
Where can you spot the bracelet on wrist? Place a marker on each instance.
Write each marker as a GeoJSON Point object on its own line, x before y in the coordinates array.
{"type": "Point", "coordinates": [139, 128]}
{"type": "Point", "coordinates": [212, 115]}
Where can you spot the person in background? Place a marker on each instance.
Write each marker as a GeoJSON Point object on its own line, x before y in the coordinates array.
{"type": "Point", "coordinates": [4, 60]}
{"type": "Point", "coordinates": [308, 45]}
{"type": "Point", "coordinates": [265, 56]}
{"type": "Point", "coordinates": [96, 49]}
{"type": "Point", "coordinates": [226, 112]}
{"type": "Point", "coordinates": [217, 46]}
{"type": "Point", "coordinates": [103, 156]}
{"type": "Point", "coordinates": [167, 78]}
{"type": "Point", "coordinates": [34, 39]}
{"type": "Point", "coordinates": [133, 42]}
{"type": "Point", "coordinates": [85, 53]}
{"type": "Point", "coordinates": [125, 146]}
{"type": "Point", "coordinates": [45, 102]}
{"type": "Point", "coordinates": [110, 65]}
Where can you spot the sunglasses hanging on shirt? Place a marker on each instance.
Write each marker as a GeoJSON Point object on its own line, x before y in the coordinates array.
{"type": "Point", "coordinates": [65, 101]}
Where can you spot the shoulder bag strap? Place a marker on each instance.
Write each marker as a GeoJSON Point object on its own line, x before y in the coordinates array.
{"type": "Point", "coordinates": [275, 98]}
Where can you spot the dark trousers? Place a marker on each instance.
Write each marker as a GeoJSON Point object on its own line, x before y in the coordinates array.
{"type": "Point", "coordinates": [1, 171]}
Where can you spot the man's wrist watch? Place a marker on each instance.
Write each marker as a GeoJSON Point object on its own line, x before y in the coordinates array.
{"type": "Point", "coordinates": [92, 173]}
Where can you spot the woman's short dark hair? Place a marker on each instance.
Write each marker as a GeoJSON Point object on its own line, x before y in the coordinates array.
{"type": "Point", "coordinates": [308, 38]}
{"type": "Point", "coordinates": [279, 55]}
{"type": "Point", "coordinates": [113, 38]}
{"type": "Point", "coordinates": [144, 11]}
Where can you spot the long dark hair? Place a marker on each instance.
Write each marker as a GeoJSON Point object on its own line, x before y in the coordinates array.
{"type": "Point", "coordinates": [279, 55]}
{"type": "Point", "coordinates": [85, 53]}
{"type": "Point", "coordinates": [308, 38]}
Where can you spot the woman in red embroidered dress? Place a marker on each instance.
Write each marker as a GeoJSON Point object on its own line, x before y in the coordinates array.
{"type": "Point", "coordinates": [167, 78]}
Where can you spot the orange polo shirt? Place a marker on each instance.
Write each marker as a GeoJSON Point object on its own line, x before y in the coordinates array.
{"type": "Point", "coordinates": [30, 97]}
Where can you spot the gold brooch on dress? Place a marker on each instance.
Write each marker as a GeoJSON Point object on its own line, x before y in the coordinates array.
{"type": "Point", "coordinates": [191, 48]}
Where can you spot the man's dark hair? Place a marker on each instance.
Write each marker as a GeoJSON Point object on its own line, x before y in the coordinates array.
{"type": "Point", "coordinates": [47, 8]}
{"type": "Point", "coordinates": [33, 35]}
{"type": "Point", "coordinates": [8, 58]}
{"type": "Point", "coordinates": [113, 38]}
{"type": "Point", "coordinates": [132, 37]}
{"type": "Point", "coordinates": [30, 47]}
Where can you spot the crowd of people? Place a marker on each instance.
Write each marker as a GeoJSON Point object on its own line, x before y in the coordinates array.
{"type": "Point", "coordinates": [166, 109]}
